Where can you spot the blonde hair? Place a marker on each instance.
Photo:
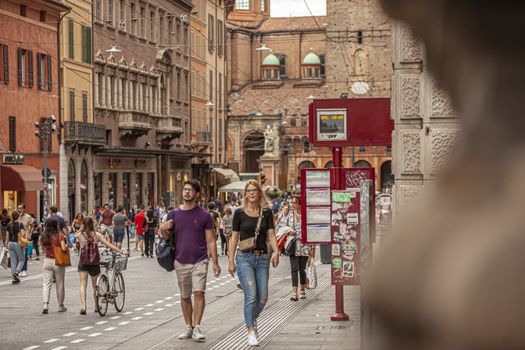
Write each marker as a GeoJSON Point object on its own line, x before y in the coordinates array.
{"type": "Point", "coordinates": [263, 201]}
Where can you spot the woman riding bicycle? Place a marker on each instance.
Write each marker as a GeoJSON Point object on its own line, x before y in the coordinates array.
{"type": "Point", "coordinates": [89, 262]}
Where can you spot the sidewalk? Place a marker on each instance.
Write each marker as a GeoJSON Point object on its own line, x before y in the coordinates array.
{"type": "Point", "coordinates": [304, 324]}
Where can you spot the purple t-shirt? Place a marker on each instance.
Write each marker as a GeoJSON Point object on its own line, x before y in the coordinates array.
{"type": "Point", "coordinates": [190, 236]}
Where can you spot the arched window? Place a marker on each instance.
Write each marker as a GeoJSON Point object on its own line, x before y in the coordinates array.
{"type": "Point", "coordinates": [362, 164]}
{"type": "Point", "coordinates": [282, 62]}
{"type": "Point", "coordinates": [322, 58]}
{"type": "Point", "coordinates": [71, 180]}
{"type": "Point", "coordinates": [330, 164]}
{"type": "Point", "coordinates": [306, 164]}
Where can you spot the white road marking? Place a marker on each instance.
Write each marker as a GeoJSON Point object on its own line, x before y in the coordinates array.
{"type": "Point", "coordinates": [159, 309]}
{"type": "Point", "coordinates": [168, 298]}
{"type": "Point", "coordinates": [69, 334]}
{"type": "Point", "coordinates": [110, 329]}
{"type": "Point", "coordinates": [114, 318]}
{"type": "Point", "coordinates": [136, 318]}
{"type": "Point", "coordinates": [123, 323]}
{"type": "Point", "coordinates": [86, 328]}
{"type": "Point", "coordinates": [208, 283]}
{"type": "Point", "coordinates": [214, 287]}
{"type": "Point", "coordinates": [208, 289]}
{"type": "Point", "coordinates": [169, 305]}
{"type": "Point", "coordinates": [159, 301]}
{"type": "Point", "coordinates": [177, 295]}
{"type": "Point", "coordinates": [32, 347]}
{"type": "Point", "coordinates": [128, 313]}
{"type": "Point", "coordinates": [101, 322]}
{"type": "Point", "coordinates": [222, 284]}
{"type": "Point", "coordinates": [59, 348]}
{"type": "Point", "coordinates": [76, 341]}
{"type": "Point", "coordinates": [148, 313]}
{"type": "Point", "coordinates": [177, 302]}
{"type": "Point", "coordinates": [94, 334]}
{"type": "Point", "coordinates": [139, 308]}
{"type": "Point", "coordinates": [149, 305]}
{"type": "Point", "coordinates": [51, 340]}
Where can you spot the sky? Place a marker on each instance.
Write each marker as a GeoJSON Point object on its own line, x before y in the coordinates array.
{"type": "Point", "coordinates": [296, 8]}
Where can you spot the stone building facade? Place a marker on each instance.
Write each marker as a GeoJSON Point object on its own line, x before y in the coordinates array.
{"type": "Point", "coordinates": [29, 90]}
{"type": "Point", "coordinates": [426, 126]}
{"type": "Point", "coordinates": [142, 96]}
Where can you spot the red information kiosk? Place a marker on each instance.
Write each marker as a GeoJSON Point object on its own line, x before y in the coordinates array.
{"type": "Point", "coordinates": [338, 203]}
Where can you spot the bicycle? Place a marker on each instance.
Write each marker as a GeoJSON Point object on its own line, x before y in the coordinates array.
{"type": "Point", "coordinates": [113, 292]}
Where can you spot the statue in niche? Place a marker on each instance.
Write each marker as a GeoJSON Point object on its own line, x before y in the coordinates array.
{"type": "Point", "coordinates": [269, 139]}
{"type": "Point", "coordinates": [360, 63]}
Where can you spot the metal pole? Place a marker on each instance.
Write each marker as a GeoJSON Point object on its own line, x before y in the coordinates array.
{"type": "Point", "coordinates": [337, 159]}
{"type": "Point", "coordinates": [353, 156]}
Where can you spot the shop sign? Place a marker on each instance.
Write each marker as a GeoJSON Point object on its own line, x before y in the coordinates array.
{"type": "Point", "coordinates": [13, 159]}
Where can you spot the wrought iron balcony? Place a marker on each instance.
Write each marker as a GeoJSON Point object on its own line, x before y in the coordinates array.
{"type": "Point", "coordinates": [134, 124]}
{"type": "Point", "coordinates": [203, 138]}
{"type": "Point", "coordinates": [84, 133]}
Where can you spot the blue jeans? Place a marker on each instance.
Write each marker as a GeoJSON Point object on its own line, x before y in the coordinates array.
{"type": "Point", "coordinates": [253, 274]}
{"type": "Point", "coordinates": [17, 256]}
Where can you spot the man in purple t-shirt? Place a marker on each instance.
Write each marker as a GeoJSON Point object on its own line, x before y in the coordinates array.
{"type": "Point", "coordinates": [194, 238]}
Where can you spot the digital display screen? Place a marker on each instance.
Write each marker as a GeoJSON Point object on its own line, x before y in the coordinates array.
{"type": "Point", "coordinates": [331, 125]}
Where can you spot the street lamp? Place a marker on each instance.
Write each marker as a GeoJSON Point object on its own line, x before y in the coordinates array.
{"type": "Point", "coordinates": [44, 128]}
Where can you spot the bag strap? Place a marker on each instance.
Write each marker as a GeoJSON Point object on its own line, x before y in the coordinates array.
{"type": "Point", "coordinates": [258, 227]}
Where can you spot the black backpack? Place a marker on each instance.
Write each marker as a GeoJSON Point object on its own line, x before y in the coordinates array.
{"type": "Point", "coordinates": [166, 248]}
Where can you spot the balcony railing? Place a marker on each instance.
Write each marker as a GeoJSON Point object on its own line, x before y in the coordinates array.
{"type": "Point", "coordinates": [134, 124]}
{"type": "Point", "coordinates": [84, 133]}
{"type": "Point", "coordinates": [203, 137]}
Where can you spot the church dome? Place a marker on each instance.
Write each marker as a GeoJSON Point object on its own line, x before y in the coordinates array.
{"type": "Point", "coordinates": [271, 60]}
{"type": "Point", "coordinates": [311, 59]}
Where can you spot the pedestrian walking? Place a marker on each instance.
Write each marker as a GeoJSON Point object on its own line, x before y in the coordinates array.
{"type": "Point", "coordinates": [151, 227]}
{"type": "Point", "coordinates": [53, 237]}
{"type": "Point", "coordinates": [303, 255]}
{"type": "Point", "coordinates": [227, 221]}
{"type": "Point", "coordinates": [25, 219]}
{"type": "Point", "coordinates": [16, 252]}
{"type": "Point", "coordinates": [282, 217]}
{"type": "Point", "coordinates": [194, 238]}
{"type": "Point", "coordinates": [120, 220]}
{"type": "Point", "coordinates": [89, 263]}
{"type": "Point", "coordinates": [139, 229]}
{"type": "Point", "coordinates": [254, 221]}
{"type": "Point", "coordinates": [4, 221]}
{"type": "Point", "coordinates": [216, 217]}
{"type": "Point", "coordinates": [105, 223]}
{"type": "Point", "coordinates": [34, 233]}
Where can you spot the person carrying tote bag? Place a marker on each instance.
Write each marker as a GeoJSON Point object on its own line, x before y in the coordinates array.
{"type": "Point", "coordinates": [54, 244]}
{"type": "Point", "coordinates": [15, 234]}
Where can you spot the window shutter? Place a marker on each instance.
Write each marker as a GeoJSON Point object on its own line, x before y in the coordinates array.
{"type": "Point", "coordinates": [39, 72]}
{"type": "Point", "coordinates": [88, 44]}
{"type": "Point", "coordinates": [30, 67]}
{"type": "Point", "coordinates": [83, 43]}
{"type": "Point", "coordinates": [6, 63]}
{"type": "Point", "coordinates": [49, 74]}
{"type": "Point", "coordinates": [71, 37]}
{"type": "Point", "coordinates": [20, 77]}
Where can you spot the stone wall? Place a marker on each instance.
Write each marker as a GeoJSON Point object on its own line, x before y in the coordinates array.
{"type": "Point", "coordinates": [426, 125]}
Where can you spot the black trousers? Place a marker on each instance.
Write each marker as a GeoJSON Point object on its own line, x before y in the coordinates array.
{"type": "Point", "coordinates": [298, 265]}
{"type": "Point", "coordinates": [36, 247]}
{"type": "Point", "coordinates": [224, 242]}
{"type": "Point", "coordinates": [149, 242]}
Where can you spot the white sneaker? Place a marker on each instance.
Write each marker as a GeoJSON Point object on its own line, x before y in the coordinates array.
{"type": "Point", "coordinates": [252, 339]}
{"type": "Point", "coordinates": [187, 333]}
{"type": "Point", "coordinates": [197, 335]}
{"type": "Point", "coordinates": [23, 274]}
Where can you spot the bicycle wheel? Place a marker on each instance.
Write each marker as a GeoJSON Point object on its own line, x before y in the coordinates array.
{"type": "Point", "coordinates": [119, 292]}
{"type": "Point", "coordinates": [102, 294]}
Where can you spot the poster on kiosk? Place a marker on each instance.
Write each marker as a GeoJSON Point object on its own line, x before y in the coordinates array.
{"type": "Point", "coordinates": [338, 203]}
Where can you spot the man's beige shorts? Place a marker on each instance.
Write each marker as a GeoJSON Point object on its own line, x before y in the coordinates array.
{"type": "Point", "coordinates": [191, 277]}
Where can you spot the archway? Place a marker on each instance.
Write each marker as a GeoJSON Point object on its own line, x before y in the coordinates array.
{"type": "Point", "coordinates": [253, 149]}
{"type": "Point", "coordinates": [362, 164]}
{"type": "Point", "coordinates": [71, 189]}
{"type": "Point", "coordinates": [387, 178]}
{"type": "Point", "coordinates": [329, 164]}
{"type": "Point", "coordinates": [302, 165]}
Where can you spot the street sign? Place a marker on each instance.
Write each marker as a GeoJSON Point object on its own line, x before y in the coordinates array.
{"type": "Point", "coordinates": [46, 172]}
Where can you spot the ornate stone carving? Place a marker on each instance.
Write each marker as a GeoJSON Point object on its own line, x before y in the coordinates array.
{"type": "Point", "coordinates": [411, 153]}
{"type": "Point", "coordinates": [409, 46]}
{"type": "Point", "coordinates": [442, 144]}
{"type": "Point", "coordinates": [410, 97]}
{"type": "Point", "coordinates": [441, 103]}
{"type": "Point", "coordinates": [408, 194]}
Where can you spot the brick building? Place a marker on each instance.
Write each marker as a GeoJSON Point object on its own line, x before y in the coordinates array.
{"type": "Point", "coordinates": [29, 90]}
{"type": "Point", "coordinates": [278, 65]}
{"type": "Point", "coordinates": [142, 96]}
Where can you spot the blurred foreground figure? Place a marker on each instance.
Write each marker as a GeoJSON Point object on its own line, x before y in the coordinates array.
{"type": "Point", "coordinates": [452, 275]}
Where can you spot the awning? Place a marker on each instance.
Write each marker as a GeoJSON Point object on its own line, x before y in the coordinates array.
{"type": "Point", "coordinates": [237, 186]}
{"type": "Point", "coordinates": [21, 178]}
{"type": "Point", "coordinates": [225, 175]}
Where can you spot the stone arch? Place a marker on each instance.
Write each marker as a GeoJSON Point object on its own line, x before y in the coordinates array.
{"type": "Point", "coordinates": [360, 60]}
{"type": "Point", "coordinates": [387, 178]}
{"type": "Point", "coordinates": [252, 150]}
{"type": "Point", "coordinates": [306, 164]}
{"type": "Point", "coordinates": [362, 164]}
{"type": "Point", "coordinates": [329, 164]}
